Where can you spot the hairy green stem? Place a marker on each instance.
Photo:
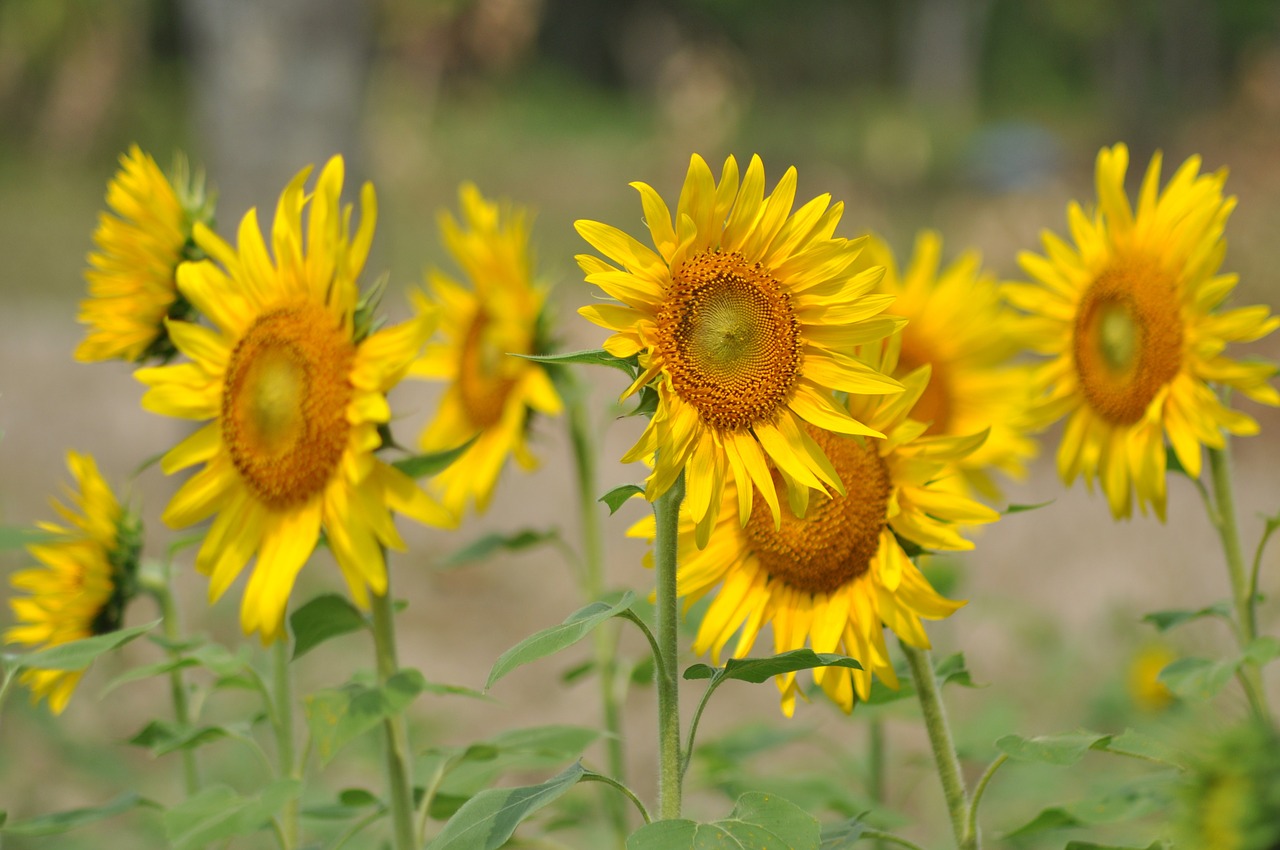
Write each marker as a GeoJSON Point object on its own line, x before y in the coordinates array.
{"type": "Point", "coordinates": [627, 792]}
{"type": "Point", "coordinates": [605, 642]}
{"type": "Point", "coordinates": [282, 678]}
{"type": "Point", "coordinates": [666, 512]}
{"type": "Point", "coordinates": [981, 788]}
{"type": "Point", "coordinates": [163, 594]}
{"type": "Point", "coordinates": [399, 780]}
{"type": "Point", "coordinates": [944, 750]}
{"type": "Point", "coordinates": [1224, 520]}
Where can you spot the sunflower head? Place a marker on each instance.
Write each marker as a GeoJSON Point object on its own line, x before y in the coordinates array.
{"type": "Point", "coordinates": [293, 396]}
{"type": "Point", "coordinates": [959, 325]}
{"type": "Point", "coordinates": [835, 571]}
{"type": "Point", "coordinates": [86, 576]}
{"type": "Point", "coordinates": [1230, 799]}
{"type": "Point", "coordinates": [491, 394]}
{"type": "Point", "coordinates": [1129, 317]}
{"type": "Point", "coordinates": [742, 313]}
{"type": "Point", "coordinates": [139, 245]}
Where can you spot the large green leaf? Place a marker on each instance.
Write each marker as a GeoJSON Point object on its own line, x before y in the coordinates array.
{"type": "Point", "coordinates": [491, 543]}
{"type": "Point", "coordinates": [590, 357]}
{"type": "Point", "coordinates": [1198, 678]}
{"type": "Point", "coordinates": [77, 654]}
{"type": "Point", "coordinates": [1165, 620]}
{"type": "Point", "coordinates": [1134, 799]}
{"type": "Point", "coordinates": [757, 822]}
{"type": "Point", "coordinates": [336, 717]}
{"type": "Point", "coordinates": [165, 736]}
{"type": "Point", "coordinates": [59, 822]}
{"type": "Point", "coordinates": [487, 820]}
{"type": "Point", "coordinates": [578, 625]}
{"type": "Point", "coordinates": [218, 813]}
{"type": "Point", "coordinates": [758, 670]}
{"type": "Point", "coordinates": [843, 835]}
{"type": "Point", "coordinates": [325, 617]}
{"type": "Point", "coordinates": [147, 671]}
{"type": "Point", "coordinates": [1089, 845]}
{"type": "Point", "coordinates": [1061, 749]}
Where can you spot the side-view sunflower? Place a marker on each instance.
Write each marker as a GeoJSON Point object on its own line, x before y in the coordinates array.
{"type": "Point", "coordinates": [1127, 316]}
{"type": "Point", "coordinates": [140, 244]}
{"type": "Point", "coordinates": [744, 315]}
{"type": "Point", "coordinates": [86, 577]}
{"type": "Point", "coordinates": [295, 395]}
{"type": "Point", "coordinates": [834, 573]}
{"type": "Point", "coordinates": [959, 324]}
{"type": "Point", "coordinates": [491, 395]}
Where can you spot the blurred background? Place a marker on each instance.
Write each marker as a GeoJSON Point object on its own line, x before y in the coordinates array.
{"type": "Point", "coordinates": [981, 118]}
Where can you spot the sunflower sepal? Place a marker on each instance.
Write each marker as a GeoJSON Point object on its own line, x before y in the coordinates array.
{"type": "Point", "coordinates": [366, 320]}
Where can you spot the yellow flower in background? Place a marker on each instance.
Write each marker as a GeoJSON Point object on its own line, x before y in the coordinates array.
{"type": "Point", "coordinates": [1127, 316]}
{"type": "Point", "coordinates": [834, 573]}
{"type": "Point", "coordinates": [85, 577]}
{"type": "Point", "coordinates": [745, 315]}
{"type": "Point", "coordinates": [296, 396]}
{"type": "Point", "coordinates": [491, 395]}
{"type": "Point", "coordinates": [958, 323]}
{"type": "Point", "coordinates": [140, 244]}
{"type": "Point", "coordinates": [1145, 688]}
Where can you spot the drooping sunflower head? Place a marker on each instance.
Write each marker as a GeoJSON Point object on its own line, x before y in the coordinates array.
{"type": "Point", "coordinates": [491, 394]}
{"type": "Point", "coordinates": [86, 576]}
{"type": "Point", "coordinates": [743, 314]}
{"type": "Point", "coordinates": [1129, 317]}
{"type": "Point", "coordinates": [959, 325]}
{"type": "Point", "coordinates": [139, 246]}
{"type": "Point", "coordinates": [293, 397]}
{"type": "Point", "coordinates": [834, 573]}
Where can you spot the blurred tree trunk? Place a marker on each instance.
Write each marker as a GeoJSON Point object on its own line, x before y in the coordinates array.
{"type": "Point", "coordinates": [277, 84]}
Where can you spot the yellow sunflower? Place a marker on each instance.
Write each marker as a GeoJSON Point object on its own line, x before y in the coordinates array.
{"type": "Point", "coordinates": [296, 397]}
{"type": "Point", "coordinates": [958, 323]}
{"type": "Point", "coordinates": [139, 247]}
{"type": "Point", "coordinates": [491, 395]}
{"type": "Point", "coordinates": [1127, 315]}
{"type": "Point", "coordinates": [745, 315]}
{"type": "Point", "coordinates": [834, 573]}
{"type": "Point", "coordinates": [86, 576]}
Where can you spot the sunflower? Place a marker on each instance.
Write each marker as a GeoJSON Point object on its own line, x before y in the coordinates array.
{"type": "Point", "coordinates": [85, 579]}
{"type": "Point", "coordinates": [132, 272]}
{"type": "Point", "coordinates": [296, 396]}
{"type": "Point", "coordinates": [491, 395]}
{"type": "Point", "coordinates": [1127, 316]}
{"type": "Point", "coordinates": [835, 570]}
{"type": "Point", "coordinates": [744, 315]}
{"type": "Point", "coordinates": [958, 323]}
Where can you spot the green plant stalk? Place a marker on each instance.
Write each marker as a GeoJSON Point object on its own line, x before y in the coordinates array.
{"type": "Point", "coordinates": [282, 680]}
{"type": "Point", "coordinates": [944, 750]}
{"type": "Point", "coordinates": [181, 708]}
{"type": "Point", "coordinates": [604, 638]}
{"type": "Point", "coordinates": [399, 780]}
{"type": "Point", "coordinates": [875, 760]}
{"type": "Point", "coordinates": [1224, 520]}
{"type": "Point", "coordinates": [666, 511]}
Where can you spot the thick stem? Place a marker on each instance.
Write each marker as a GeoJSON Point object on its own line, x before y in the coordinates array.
{"type": "Point", "coordinates": [399, 780]}
{"type": "Point", "coordinates": [282, 678]}
{"type": "Point", "coordinates": [944, 750]}
{"type": "Point", "coordinates": [605, 642]}
{"type": "Point", "coordinates": [177, 687]}
{"type": "Point", "coordinates": [666, 512]}
{"type": "Point", "coordinates": [1224, 519]}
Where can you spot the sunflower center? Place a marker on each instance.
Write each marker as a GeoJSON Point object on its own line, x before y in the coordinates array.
{"type": "Point", "coordinates": [834, 542]}
{"type": "Point", "coordinates": [481, 383]}
{"type": "Point", "coordinates": [284, 403]}
{"type": "Point", "coordinates": [934, 405]}
{"type": "Point", "coordinates": [730, 340]}
{"type": "Point", "coordinates": [1127, 339]}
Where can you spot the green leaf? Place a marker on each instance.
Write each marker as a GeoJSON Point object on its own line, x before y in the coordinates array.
{"type": "Point", "coordinates": [1262, 651]}
{"type": "Point", "coordinates": [1198, 678]}
{"type": "Point", "coordinates": [59, 822]}
{"type": "Point", "coordinates": [591, 357]}
{"type": "Point", "coordinates": [336, 717]}
{"type": "Point", "coordinates": [432, 463]}
{"type": "Point", "coordinates": [618, 496]}
{"type": "Point", "coordinates": [757, 822]}
{"type": "Point", "coordinates": [165, 736]}
{"type": "Point", "coordinates": [1061, 749]}
{"type": "Point", "coordinates": [1165, 620]}
{"type": "Point", "coordinates": [842, 836]}
{"type": "Point", "coordinates": [147, 671]}
{"type": "Point", "coordinates": [78, 654]}
{"type": "Point", "coordinates": [1056, 817]}
{"type": "Point", "coordinates": [490, 543]}
{"type": "Point", "coordinates": [218, 813]}
{"type": "Point", "coordinates": [488, 819]}
{"type": "Point", "coordinates": [15, 537]}
{"type": "Point", "coordinates": [550, 641]}
{"type": "Point", "coordinates": [948, 671]}
{"type": "Point", "coordinates": [351, 803]}
{"type": "Point", "coordinates": [1138, 745]}
{"type": "Point", "coordinates": [1089, 845]}
{"type": "Point", "coordinates": [325, 617]}
{"type": "Point", "coordinates": [455, 691]}
{"type": "Point", "coordinates": [758, 670]}
{"type": "Point", "coordinates": [1132, 800]}
{"type": "Point", "coordinates": [1018, 509]}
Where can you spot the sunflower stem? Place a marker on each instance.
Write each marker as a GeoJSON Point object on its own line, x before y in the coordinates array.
{"type": "Point", "coordinates": [282, 678]}
{"type": "Point", "coordinates": [163, 593]}
{"type": "Point", "coordinates": [944, 750]}
{"type": "Point", "coordinates": [399, 780]}
{"type": "Point", "coordinates": [1224, 520]}
{"type": "Point", "coordinates": [605, 638]}
{"type": "Point", "coordinates": [666, 511]}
